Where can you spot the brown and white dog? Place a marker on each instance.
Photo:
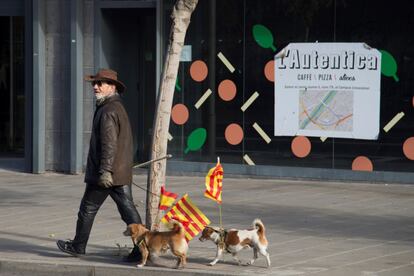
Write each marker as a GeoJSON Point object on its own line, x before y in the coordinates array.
{"type": "Point", "coordinates": [233, 240]}
{"type": "Point", "coordinates": [153, 243]}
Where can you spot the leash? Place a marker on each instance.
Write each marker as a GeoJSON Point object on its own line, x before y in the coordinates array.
{"type": "Point", "coordinates": [168, 156]}
{"type": "Point", "coordinates": [142, 188]}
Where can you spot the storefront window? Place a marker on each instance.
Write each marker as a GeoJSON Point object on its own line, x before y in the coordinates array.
{"type": "Point", "coordinates": [222, 40]}
{"type": "Point", "coordinates": [12, 86]}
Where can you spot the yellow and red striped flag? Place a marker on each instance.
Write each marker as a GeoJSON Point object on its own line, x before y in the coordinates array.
{"type": "Point", "coordinates": [214, 183]}
{"type": "Point", "coordinates": [166, 199]}
{"type": "Point", "coordinates": [185, 211]}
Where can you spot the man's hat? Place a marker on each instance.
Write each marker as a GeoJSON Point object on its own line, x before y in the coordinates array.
{"type": "Point", "coordinates": [107, 75]}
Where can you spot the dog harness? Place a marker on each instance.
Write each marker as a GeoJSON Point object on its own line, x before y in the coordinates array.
{"type": "Point", "coordinates": [142, 241]}
{"type": "Point", "coordinates": [222, 238]}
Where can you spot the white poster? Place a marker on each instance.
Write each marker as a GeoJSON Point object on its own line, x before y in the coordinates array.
{"type": "Point", "coordinates": [328, 90]}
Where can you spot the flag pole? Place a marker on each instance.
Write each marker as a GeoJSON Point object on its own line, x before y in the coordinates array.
{"type": "Point", "coordinates": [221, 223]}
{"type": "Point", "coordinates": [220, 215]}
{"type": "Point", "coordinates": [158, 216]}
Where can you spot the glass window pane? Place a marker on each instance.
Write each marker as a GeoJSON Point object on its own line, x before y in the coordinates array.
{"type": "Point", "coordinates": [248, 34]}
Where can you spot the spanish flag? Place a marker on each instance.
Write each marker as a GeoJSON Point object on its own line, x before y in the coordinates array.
{"type": "Point", "coordinates": [193, 220]}
{"type": "Point", "coordinates": [214, 183]}
{"type": "Point", "coordinates": [166, 199]}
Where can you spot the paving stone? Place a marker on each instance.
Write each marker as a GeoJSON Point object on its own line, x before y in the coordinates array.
{"type": "Point", "coordinates": [314, 228]}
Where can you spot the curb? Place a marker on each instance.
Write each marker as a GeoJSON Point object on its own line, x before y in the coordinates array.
{"type": "Point", "coordinates": [37, 268]}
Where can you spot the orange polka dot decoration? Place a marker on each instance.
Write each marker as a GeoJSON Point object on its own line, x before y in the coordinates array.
{"type": "Point", "coordinates": [198, 70]}
{"type": "Point", "coordinates": [227, 90]}
{"type": "Point", "coordinates": [362, 163]}
{"type": "Point", "coordinates": [301, 146]}
{"type": "Point", "coordinates": [233, 134]}
{"type": "Point", "coordinates": [408, 148]}
{"type": "Point", "coordinates": [179, 114]}
{"type": "Point", "coordinates": [269, 71]}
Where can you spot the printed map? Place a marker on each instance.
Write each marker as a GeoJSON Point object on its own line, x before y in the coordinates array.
{"type": "Point", "coordinates": [326, 110]}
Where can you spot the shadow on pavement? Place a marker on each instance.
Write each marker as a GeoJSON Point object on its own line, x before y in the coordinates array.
{"type": "Point", "coordinates": [321, 222]}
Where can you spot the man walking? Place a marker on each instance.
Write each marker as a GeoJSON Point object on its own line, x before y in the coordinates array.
{"type": "Point", "coordinates": [109, 165]}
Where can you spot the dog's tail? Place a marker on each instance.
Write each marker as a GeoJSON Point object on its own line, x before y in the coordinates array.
{"type": "Point", "coordinates": [258, 224]}
{"type": "Point", "coordinates": [177, 226]}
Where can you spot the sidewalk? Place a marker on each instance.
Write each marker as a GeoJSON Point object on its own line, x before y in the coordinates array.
{"type": "Point", "coordinates": [314, 228]}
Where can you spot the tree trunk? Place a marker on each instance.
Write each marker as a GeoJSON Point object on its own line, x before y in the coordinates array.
{"type": "Point", "coordinates": [181, 15]}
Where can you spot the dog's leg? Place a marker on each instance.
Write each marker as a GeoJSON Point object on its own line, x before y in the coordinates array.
{"type": "Point", "coordinates": [234, 255]}
{"type": "Point", "coordinates": [179, 262]}
{"type": "Point", "coordinates": [263, 251]}
{"type": "Point", "coordinates": [144, 253]}
{"type": "Point", "coordinates": [254, 256]}
{"type": "Point", "coordinates": [218, 256]}
{"type": "Point", "coordinates": [154, 258]}
{"type": "Point", "coordinates": [184, 260]}
{"type": "Point", "coordinates": [181, 259]}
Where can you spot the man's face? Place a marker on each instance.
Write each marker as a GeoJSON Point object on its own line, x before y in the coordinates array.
{"type": "Point", "coordinates": [103, 89]}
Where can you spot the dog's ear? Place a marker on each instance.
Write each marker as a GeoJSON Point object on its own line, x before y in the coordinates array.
{"type": "Point", "coordinates": [141, 229]}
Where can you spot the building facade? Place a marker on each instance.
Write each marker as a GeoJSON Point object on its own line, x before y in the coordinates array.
{"type": "Point", "coordinates": [224, 101]}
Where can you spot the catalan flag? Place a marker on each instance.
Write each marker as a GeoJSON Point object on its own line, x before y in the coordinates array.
{"type": "Point", "coordinates": [193, 220]}
{"type": "Point", "coordinates": [185, 222]}
{"type": "Point", "coordinates": [214, 183]}
{"type": "Point", "coordinates": [166, 199]}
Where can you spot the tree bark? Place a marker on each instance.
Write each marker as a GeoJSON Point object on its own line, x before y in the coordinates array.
{"type": "Point", "coordinates": [181, 15]}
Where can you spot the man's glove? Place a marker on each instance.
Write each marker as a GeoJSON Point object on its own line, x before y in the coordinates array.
{"type": "Point", "coordinates": [105, 180]}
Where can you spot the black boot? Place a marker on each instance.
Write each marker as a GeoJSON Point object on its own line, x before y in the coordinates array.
{"type": "Point", "coordinates": [134, 256]}
{"type": "Point", "coordinates": [69, 248]}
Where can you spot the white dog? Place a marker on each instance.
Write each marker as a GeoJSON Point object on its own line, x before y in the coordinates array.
{"type": "Point", "coordinates": [233, 240]}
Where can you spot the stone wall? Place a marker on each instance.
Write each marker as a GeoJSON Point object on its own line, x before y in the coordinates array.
{"type": "Point", "coordinates": [57, 36]}
{"type": "Point", "coordinates": [88, 68]}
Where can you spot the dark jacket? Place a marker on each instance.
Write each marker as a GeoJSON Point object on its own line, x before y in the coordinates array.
{"type": "Point", "coordinates": [111, 146]}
